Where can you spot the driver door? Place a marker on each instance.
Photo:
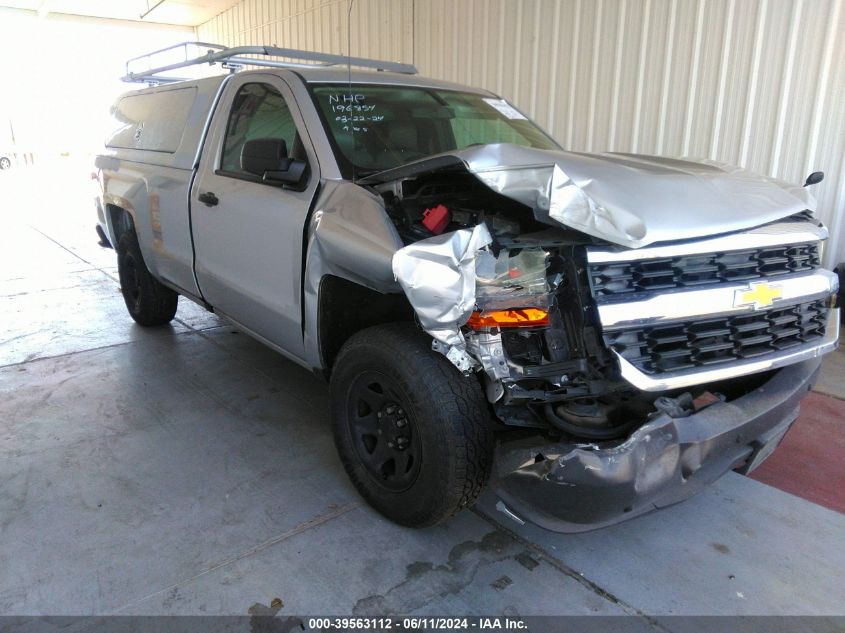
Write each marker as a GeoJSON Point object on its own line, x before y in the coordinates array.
{"type": "Point", "coordinates": [248, 232]}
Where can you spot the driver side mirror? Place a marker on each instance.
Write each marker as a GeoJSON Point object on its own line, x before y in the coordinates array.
{"type": "Point", "coordinates": [268, 159]}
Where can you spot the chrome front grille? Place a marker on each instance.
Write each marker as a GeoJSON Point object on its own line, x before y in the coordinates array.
{"type": "Point", "coordinates": [692, 271]}
{"type": "Point", "coordinates": [697, 311]}
{"type": "Point", "coordinates": [700, 343]}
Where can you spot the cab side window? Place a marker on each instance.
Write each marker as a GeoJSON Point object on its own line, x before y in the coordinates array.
{"type": "Point", "coordinates": [258, 111]}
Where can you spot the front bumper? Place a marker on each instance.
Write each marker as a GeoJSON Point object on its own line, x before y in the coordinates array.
{"type": "Point", "coordinates": [577, 487]}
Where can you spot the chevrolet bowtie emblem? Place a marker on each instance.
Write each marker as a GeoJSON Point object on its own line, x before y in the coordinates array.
{"type": "Point", "coordinates": [758, 295]}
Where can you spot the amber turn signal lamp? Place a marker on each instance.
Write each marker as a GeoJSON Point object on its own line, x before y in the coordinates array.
{"type": "Point", "coordinates": [522, 317]}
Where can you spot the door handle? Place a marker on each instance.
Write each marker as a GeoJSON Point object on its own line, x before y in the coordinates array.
{"type": "Point", "coordinates": [208, 199]}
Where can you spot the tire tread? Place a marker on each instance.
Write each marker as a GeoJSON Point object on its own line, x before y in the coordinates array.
{"type": "Point", "coordinates": [158, 302]}
{"type": "Point", "coordinates": [457, 401]}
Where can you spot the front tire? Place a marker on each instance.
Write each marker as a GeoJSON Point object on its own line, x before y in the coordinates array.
{"type": "Point", "coordinates": [149, 302]}
{"type": "Point", "coordinates": [5, 163]}
{"type": "Point", "coordinates": [414, 435]}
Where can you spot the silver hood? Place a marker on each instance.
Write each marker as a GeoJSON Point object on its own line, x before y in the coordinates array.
{"type": "Point", "coordinates": [628, 199]}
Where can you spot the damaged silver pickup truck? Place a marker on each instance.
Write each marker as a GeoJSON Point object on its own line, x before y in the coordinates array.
{"type": "Point", "coordinates": [592, 335]}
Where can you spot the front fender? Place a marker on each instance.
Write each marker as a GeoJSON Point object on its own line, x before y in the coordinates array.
{"type": "Point", "coordinates": [350, 236]}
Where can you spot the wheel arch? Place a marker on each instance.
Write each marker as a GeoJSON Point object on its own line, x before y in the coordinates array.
{"type": "Point", "coordinates": [346, 307]}
{"type": "Point", "coordinates": [120, 218]}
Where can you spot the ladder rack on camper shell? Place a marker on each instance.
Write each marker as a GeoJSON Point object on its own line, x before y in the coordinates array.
{"type": "Point", "coordinates": [236, 57]}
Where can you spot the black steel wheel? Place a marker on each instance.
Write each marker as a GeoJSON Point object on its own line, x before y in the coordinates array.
{"type": "Point", "coordinates": [414, 435]}
{"type": "Point", "coordinates": [148, 301]}
{"type": "Point", "coordinates": [383, 431]}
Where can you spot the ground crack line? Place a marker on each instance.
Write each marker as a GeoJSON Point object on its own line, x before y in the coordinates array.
{"type": "Point", "coordinates": [298, 529]}
{"type": "Point", "coordinates": [571, 573]}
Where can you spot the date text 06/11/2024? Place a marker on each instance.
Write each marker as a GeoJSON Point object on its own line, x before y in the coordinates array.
{"type": "Point", "coordinates": [420, 623]}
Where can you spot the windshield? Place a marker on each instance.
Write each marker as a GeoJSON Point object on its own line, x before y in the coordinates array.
{"type": "Point", "coordinates": [377, 127]}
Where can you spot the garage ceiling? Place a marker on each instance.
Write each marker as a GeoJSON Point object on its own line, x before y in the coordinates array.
{"type": "Point", "coordinates": [180, 12]}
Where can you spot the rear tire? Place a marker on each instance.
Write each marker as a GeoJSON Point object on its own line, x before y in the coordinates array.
{"type": "Point", "coordinates": [414, 435]}
{"type": "Point", "coordinates": [149, 302]}
{"type": "Point", "coordinates": [5, 163]}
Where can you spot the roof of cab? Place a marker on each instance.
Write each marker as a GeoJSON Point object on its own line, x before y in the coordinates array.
{"type": "Point", "coordinates": [341, 74]}
{"type": "Point", "coordinates": [324, 74]}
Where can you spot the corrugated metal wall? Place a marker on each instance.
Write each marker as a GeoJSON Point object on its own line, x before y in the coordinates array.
{"type": "Point", "coordinates": [759, 83]}
{"type": "Point", "coordinates": [381, 29]}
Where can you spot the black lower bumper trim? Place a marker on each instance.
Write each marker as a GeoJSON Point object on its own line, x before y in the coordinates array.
{"type": "Point", "coordinates": [574, 488]}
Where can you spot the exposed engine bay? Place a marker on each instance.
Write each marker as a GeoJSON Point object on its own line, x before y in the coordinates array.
{"type": "Point", "coordinates": [559, 293]}
{"type": "Point", "coordinates": [531, 331]}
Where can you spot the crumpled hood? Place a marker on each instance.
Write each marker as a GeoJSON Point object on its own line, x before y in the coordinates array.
{"type": "Point", "coordinates": [628, 199]}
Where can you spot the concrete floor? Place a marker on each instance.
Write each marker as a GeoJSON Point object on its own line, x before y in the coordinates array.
{"type": "Point", "coordinates": [189, 470]}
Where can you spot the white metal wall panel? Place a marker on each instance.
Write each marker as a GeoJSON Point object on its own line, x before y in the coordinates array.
{"type": "Point", "coordinates": [759, 83]}
{"type": "Point", "coordinates": [379, 28]}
